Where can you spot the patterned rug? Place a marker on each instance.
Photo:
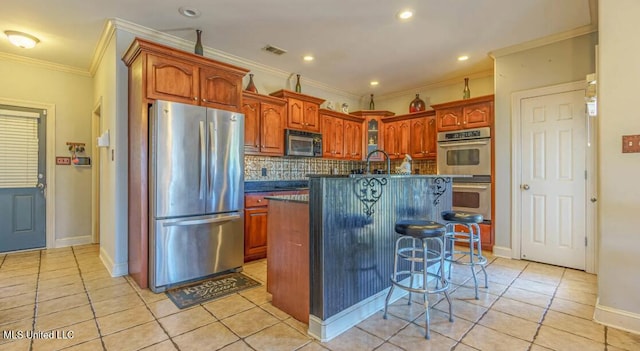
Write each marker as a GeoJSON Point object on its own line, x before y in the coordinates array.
{"type": "Point", "coordinates": [210, 289]}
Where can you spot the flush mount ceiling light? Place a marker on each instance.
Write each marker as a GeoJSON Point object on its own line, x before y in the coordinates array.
{"type": "Point", "coordinates": [373, 83]}
{"type": "Point", "coordinates": [189, 12]}
{"type": "Point", "coordinates": [405, 14]}
{"type": "Point", "coordinates": [23, 40]}
{"type": "Point", "coordinates": [463, 58]}
{"type": "Point", "coordinates": [308, 58]}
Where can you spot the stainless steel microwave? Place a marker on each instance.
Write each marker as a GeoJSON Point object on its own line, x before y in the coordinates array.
{"type": "Point", "coordinates": [299, 143]}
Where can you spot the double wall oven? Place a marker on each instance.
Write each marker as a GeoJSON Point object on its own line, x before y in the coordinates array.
{"type": "Point", "coordinates": [468, 153]}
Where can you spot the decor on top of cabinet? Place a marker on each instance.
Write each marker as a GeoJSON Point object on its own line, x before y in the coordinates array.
{"type": "Point", "coordinates": [345, 107]}
{"type": "Point", "coordinates": [298, 86]}
{"type": "Point", "coordinates": [251, 87]}
{"type": "Point", "coordinates": [372, 105]}
{"type": "Point", "coordinates": [199, 49]}
{"type": "Point", "coordinates": [466, 93]}
{"type": "Point", "coordinates": [417, 104]}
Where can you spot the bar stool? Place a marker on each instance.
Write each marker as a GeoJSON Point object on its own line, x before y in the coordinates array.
{"type": "Point", "coordinates": [470, 221]}
{"type": "Point", "coordinates": [421, 244]}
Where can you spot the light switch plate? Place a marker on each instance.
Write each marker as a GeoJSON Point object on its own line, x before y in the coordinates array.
{"type": "Point", "coordinates": [61, 160]}
{"type": "Point", "coordinates": [630, 143]}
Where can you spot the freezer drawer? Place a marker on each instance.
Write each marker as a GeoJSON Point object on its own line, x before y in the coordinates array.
{"type": "Point", "coordinates": [189, 248]}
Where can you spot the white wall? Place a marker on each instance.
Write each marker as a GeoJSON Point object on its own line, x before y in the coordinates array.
{"type": "Point", "coordinates": [561, 62]}
{"type": "Point", "coordinates": [619, 195]}
{"type": "Point", "coordinates": [71, 93]}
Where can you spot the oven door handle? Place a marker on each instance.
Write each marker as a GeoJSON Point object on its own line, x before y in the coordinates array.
{"type": "Point", "coordinates": [481, 187]}
{"type": "Point", "coordinates": [467, 143]}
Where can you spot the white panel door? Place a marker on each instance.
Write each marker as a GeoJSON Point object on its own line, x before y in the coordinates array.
{"type": "Point", "coordinates": [553, 185]}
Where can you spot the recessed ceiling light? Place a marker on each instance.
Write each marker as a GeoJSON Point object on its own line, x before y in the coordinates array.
{"type": "Point", "coordinates": [463, 58]}
{"type": "Point", "coordinates": [189, 12]}
{"type": "Point", "coordinates": [308, 58]}
{"type": "Point", "coordinates": [373, 83]}
{"type": "Point", "coordinates": [23, 40]}
{"type": "Point", "coordinates": [405, 14]}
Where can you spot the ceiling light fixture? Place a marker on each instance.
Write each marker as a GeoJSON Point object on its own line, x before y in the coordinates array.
{"type": "Point", "coordinates": [373, 83]}
{"type": "Point", "coordinates": [23, 40]}
{"type": "Point", "coordinates": [189, 12]}
{"type": "Point", "coordinates": [308, 58]}
{"type": "Point", "coordinates": [405, 14]}
{"type": "Point", "coordinates": [463, 58]}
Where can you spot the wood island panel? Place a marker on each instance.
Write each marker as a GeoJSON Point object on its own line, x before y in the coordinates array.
{"type": "Point", "coordinates": [288, 257]}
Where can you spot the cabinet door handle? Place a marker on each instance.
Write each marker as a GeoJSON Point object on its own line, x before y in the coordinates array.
{"type": "Point", "coordinates": [195, 98]}
{"type": "Point", "coordinates": [205, 100]}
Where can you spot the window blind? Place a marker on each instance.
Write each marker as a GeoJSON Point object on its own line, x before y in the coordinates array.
{"type": "Point", "coordinates": [18, 149]}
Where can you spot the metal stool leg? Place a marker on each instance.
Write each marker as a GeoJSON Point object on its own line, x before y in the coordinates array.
{"type": "Point", "coordinates": [486, 281]}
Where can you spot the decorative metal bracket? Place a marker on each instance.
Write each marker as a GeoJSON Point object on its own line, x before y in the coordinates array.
{"type": "Point", "coordinates": [368, 191]}
{"type": "Point", "coordinates": [439, 187]}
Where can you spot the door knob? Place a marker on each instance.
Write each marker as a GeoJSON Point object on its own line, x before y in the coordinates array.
{"type": "Point", "coordinates": [593, 199]}
{"type": "Point", "coordinates": [40, 186]}
{"type": "Point", "coordinates": [524, 186]}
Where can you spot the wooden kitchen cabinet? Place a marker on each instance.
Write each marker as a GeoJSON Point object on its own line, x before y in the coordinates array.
{"type": "Point", "coordinates": [256, 207]}
{"type": "Point", "coordinates": [332, 136]}
{"type": "Point", "coordinates": [353, 140]}
{"type": "Point", "coordinates": [423, 137]}
{"type": "Point", "coordinates": [302, 110]}
{"type": "Point", "coordinates": [161, 72]}
{"type": "Point", "coordinates": [486, 236]}
{"type": "Point", "coordinates": [397, 138]}
{"type": "Point", "coordinates": [464, 114]}
{"type": "Point", "coordinates": [264, 119]}
{"type": "Point", "coordinates": [373, 131]}
{"type": "Point", "coordinates": [179, 78]}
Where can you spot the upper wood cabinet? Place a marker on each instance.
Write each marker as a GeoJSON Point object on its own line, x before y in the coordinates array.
{"type": "Point", "coordinates": [397, 138]}
{"type": "Point", "coordinates": [372, 131]}
{"type": "Point", "coordinates": [264, 119]}
{"type": "Point", "coordinates": [161, 72]}
{"type": "Point", "coordinates": [353, 140]}
{"type": "Point", "coordinates": [302, 110]}
{"type": "Point", "coordinates": [179, 76]}
{"type": "Point", "coordinates": [341, 135]}
{"type": "Point", "coordinates": [464, 114]}
{"type": "Point", "coordinates": [332, 136]}
{"type": "Point", "coordinates": [423, 137]}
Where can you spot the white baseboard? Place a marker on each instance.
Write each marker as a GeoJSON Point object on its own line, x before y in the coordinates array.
{"type": "Point", "coordinates": [617, 318]}
{"type": "Point", "coordinates": [501, 251]}
{"type": "Point", "coordinates": [116, 270]}
{"type": "Point", "coordinates": [76, 240]}
{"type": "Point", "coordinates": [341, 322]}
{"type": "Point", "coordinates": [325, 330]}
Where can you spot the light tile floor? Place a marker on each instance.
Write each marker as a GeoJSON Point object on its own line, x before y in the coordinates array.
{"type": "Point", "coordinates": [528, 306]}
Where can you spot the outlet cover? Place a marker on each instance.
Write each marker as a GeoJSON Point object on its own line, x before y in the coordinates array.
{"type": "Point", "coordinates": [264, 172]}
{"type": "Point", "coordinates": [630, 143]}
{"type": "Point", "coordinates": [61, 160]}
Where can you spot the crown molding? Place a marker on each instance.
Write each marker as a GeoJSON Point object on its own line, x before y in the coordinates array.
{"type": "Point", "coordinates": [439, 84]}
{"type": "Point", "coordinates": [44, 64]}
{"type": "Point", "coordinates": [108, 33]}
{"type": "Point", "coordinates": [532, 44]}
{"type": "Point", "coordinates": [183, 44]}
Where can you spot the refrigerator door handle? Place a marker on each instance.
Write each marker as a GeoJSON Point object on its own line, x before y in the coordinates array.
{"type": "Point", "coordinates": [201, 221]}
{"type": "Point", "coordinates": [211, 149]}
{"type": "Point", "coordinates": [203, 166]}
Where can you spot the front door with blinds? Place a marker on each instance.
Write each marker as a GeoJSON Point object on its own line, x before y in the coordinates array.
{"type": "Point", "coordinates": [22, 178]}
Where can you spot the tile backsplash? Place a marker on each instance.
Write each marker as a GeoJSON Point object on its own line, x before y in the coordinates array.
{"type": "Point", "coordinates": [294, 168]}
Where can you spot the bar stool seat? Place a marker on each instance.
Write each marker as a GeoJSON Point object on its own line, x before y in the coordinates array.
{"type": "Point", "coordinates": [421, 244]}
{"type": "Point", "coordinates": [470, 221]}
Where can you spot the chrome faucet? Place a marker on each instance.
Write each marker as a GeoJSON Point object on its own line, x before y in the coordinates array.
{"type": "Point", "coordinates": [385, 154]}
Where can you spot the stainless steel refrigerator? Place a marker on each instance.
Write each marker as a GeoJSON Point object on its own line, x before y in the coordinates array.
{"type": "Point", "coordinates": [196, 187]}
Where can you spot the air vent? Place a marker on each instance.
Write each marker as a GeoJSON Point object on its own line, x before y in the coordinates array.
{"type": "Point", "coordinates": [274, 50]}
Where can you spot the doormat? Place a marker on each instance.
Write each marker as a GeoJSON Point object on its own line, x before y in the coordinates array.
{"type": "Point", "coordinates": [210, 289]}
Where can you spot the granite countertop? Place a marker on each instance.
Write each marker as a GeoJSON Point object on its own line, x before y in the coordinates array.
{"type": "Point", "coordinates": [384, 175]}
{"type": "Point", "coordinates": [303, 198]}
{"type": "Point", "coordinates": [256, 186]}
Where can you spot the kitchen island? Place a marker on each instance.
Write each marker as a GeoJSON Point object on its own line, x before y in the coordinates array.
{"type": "Point", "coordinates": [350, 242]}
